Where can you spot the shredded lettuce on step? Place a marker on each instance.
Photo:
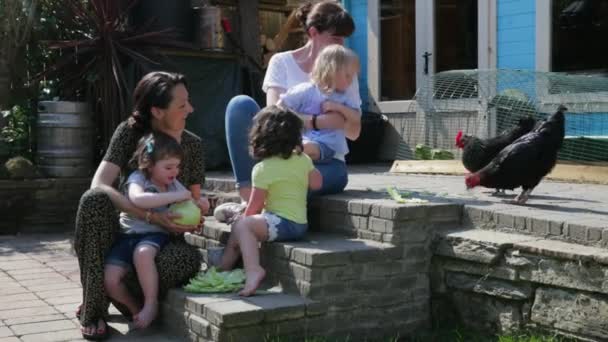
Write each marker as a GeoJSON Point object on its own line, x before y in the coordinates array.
{"type": "Point", "coordinates": [397, 197]}
{"type": "Point", "coordinates": [214, 281]}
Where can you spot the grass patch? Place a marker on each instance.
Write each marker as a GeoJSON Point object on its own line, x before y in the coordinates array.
{"type": "Point", "coordinates": [455, 335]}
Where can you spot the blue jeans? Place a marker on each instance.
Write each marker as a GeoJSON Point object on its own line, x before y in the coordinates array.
{"type": "Point", "coordinates": [239, 117]}
{"type": "Point", "coordinates": [121, 253]}
{"type": "Point", "coordinates": [282, 229]}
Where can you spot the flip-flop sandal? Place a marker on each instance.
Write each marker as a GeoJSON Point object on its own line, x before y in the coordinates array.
{"type": "Point", "coordinates": [97, 336]}
{"type": "Point", "coordinates": [123, 310]}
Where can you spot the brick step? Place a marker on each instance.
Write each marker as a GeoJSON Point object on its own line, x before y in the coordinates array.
{"type": "Point", "coordinates": [526, 221]}
{"type": "Point", "coordinates": [229, 317]}
{"type": "Point", "coordinates": [333, 268]}
{"type": "Point", "coordinates": [219, 182]}
{"type": "Point", "coordinates": [373, 216]}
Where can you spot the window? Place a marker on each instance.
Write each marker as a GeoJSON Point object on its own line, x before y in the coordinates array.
{"type": "Point", "coordinates": [397, 49]}
{"type": "Point", "coordinates": [578, 30]}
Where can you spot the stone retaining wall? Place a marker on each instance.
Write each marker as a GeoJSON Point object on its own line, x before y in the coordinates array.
{"type": "Point", "coordinates": [507, 282]}
{"type": "Point", "coordinates": [40, 205]}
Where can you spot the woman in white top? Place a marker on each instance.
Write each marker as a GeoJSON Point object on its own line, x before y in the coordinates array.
{"type": "Point", "coordinates": [325, 22]}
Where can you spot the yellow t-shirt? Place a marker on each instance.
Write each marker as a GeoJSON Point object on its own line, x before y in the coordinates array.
{"type": "Point", "coordinates": [286, 181]}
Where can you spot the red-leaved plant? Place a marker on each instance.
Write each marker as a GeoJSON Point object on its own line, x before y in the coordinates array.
{"type": "Point", "coordinates": [93, 61]}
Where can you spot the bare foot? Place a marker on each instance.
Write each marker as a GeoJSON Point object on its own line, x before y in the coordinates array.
{"type": "Point", "coordinates": [254, 278]}
{"type": "Point", "coordinates": [145, 317]}
{"type": "Point", "coordinates": [98, 329]}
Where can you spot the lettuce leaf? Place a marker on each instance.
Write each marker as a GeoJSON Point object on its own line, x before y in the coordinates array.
{"type": "Point", "coordinates": [214, 281]}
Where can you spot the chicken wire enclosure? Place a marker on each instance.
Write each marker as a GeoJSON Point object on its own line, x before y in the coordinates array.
{"type": "Point", "coordinates": [484, 103]}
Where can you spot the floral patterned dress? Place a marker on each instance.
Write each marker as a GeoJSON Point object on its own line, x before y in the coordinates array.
{"type": "Point", "coordinates": [97, 224]}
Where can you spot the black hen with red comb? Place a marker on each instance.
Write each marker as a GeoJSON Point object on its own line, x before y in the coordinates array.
{"type": "Point", "coordinates": [477, 153]}
{"type": "Point", "coordinates": [526, 161]}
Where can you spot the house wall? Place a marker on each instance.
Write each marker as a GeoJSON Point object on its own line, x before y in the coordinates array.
{"type": "Point", "coordinates": [516, 38]}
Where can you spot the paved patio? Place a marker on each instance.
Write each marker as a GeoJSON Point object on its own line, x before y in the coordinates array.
{"type": "Point", "coordinates": [40, 292]}
{"type": "Point", "coordinates": [39, 276]}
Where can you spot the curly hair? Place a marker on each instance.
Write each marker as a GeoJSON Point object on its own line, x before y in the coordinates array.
{"type": "Point", "coordinates": [154, 147]}
{"type": "Point", "coordinates": [155, 89]}
{"type": "Point", "coordinates": [326, 15]}
{"type": "Point", "coordinates": [275, 132]}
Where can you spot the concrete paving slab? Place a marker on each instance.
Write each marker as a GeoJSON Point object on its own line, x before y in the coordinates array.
{"type": "Point", "coordinates": [51, 286]}
{"type": "Point", "coordinates": [9, 339]}
{"type": "Point", "coordinates": [6, 332]}
{"type": "Point", "coordinates": [34, 319]}
{"type": "Point", "coordinates": [42, 327]}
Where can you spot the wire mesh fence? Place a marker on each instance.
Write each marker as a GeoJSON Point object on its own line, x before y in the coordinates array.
{"type": "Point", "coordinates": [484, 103]}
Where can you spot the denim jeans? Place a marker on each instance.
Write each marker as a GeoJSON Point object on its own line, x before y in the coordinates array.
{"type": "Point", "coordinates": [239, 117]}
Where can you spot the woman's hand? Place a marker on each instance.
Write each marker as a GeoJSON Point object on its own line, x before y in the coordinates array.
{"type": "Point", "coordinates": [331, 120]}
{"type": "Point", "coordinates": [165, 220]}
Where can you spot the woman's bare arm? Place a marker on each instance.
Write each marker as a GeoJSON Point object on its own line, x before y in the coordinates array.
{"type": "Point", "coordinates": [105, 175]}
{"type": "Point", "coordinates": [273, 94]}
{"type": "Point", "coordinates": [352, 118]}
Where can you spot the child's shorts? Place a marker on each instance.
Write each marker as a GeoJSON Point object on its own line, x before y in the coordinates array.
{"type": "Point", "coordinates": [121, 253]}
{"type": "Point", "coordinates": [326, 153]}
{"type": "Point", "coordinates": [282, 229]}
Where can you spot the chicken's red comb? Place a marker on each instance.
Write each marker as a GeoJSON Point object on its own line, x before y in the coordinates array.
{"type": "Point", "coordinates": [458, 137]}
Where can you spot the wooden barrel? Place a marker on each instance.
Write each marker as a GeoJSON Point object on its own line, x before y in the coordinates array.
{"type": "Point", "coordinates": [65, 139]}
{"type": "Point", "coordinates": [210, 34]}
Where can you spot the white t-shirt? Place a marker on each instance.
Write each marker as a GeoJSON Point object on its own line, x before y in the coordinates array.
{"type": "Point", "coordinates": [284, 72]}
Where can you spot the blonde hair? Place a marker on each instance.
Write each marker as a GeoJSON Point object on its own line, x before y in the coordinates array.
{"type": "Point", "coordinates": [331, 60]}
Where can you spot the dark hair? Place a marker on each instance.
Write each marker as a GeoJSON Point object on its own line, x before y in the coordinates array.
{"type": "Point", "coordinates": [154, 147]}
{"type": "Point", "coordinates": [327, 15]}
{"type": "Point", "coordinates": [275, 132]}
{"type": "Point", "coordinates": [153, 90]}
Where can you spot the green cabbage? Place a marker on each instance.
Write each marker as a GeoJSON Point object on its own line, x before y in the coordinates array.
{"type": "Point", "coordinates": [214, 281]}
{"type": "Point", "coordinates": [442, 155]}
{"type": "Point", "coordinates": [422, 152]}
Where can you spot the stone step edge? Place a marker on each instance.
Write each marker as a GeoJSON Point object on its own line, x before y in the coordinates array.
{"type": "Point", "coordinates": [318, 248]}
{"type": "Point", "coordinates": [585, 233]}
{"type": "Point", "coordinates": [230, 310]}
{"type": "Point", "coordinates": [219, 184]}
{"type": "Point", "coordinates": [487, 246]}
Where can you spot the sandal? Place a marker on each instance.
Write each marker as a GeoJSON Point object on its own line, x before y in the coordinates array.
{"type": "Point", "coordinates": [97, 335]}
{"type": "Point", "coordinates": [123, 310]}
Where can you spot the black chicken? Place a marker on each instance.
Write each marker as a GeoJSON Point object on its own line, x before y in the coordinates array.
{"type": "Point", "coordinates": [526, 161]}
{"type": "Point", "coordinates": [477, 153]}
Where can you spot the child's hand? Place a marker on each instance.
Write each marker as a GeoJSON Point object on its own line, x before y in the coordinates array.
{"type": "Point", "coordinates": [203, 204]}
{"type": "Point", "coordinates": [165, 219]}
{"type": "Point", "coordinates": [184, 195]}
{"type": "Point", "coordinates": [330, 107]}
